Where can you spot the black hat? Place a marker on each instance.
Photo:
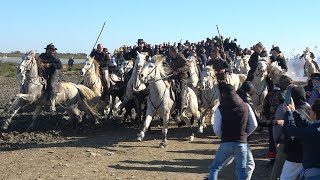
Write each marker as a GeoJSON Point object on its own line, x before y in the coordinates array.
{"type": "Point", "coordinates": [50, 46]}
{"type": "Point", "coordinates": [276, 49]}
{"type": "Point", "coordinates": [315, 76]}
{"type": "Point", "coordinates": [140, 41]}
{"type": "Point", "coordinates": [247, 86]}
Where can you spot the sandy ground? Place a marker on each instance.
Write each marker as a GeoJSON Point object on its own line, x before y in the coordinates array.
{"type": "Point", "coordinates": [107, 151]}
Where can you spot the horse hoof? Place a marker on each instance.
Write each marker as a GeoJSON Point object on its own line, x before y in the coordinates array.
{"type": "Point", "coordinates": [191, 138]}
{"type": "Point", "coordinates": [162, 145]}
{"type": "Point", "coordinates": [4, 125]}
{"type": "Point", "coordinates": [140, 139]}
{"type": "Point", "coordinates": [200, 130]}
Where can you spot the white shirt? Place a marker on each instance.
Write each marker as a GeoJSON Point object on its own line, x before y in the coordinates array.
{"type": "Point", "coordinates": [251, 126]}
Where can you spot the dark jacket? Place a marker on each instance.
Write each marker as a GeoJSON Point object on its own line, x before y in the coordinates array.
{"type": "Point", "coordinates": [254, 58]}
{"type": "Point", "coordinates": [309, 135]}
{"type": "Point", "coordinates": [180, 64]}
{"type": "Point", "coordinates": [281, 62]}
{"type": "Point", "coordinates": [219, 64]}
{"type": "Point", "coordinates": [101, 57]}
{"type": "Point", "coordinates": [133, 53]}
{"type": "Point", "coordinates": [54, 61]}
{"type": "Point", "coordinates": [234, 114]}
{"type": "Point", "coordinates": [293, 146]}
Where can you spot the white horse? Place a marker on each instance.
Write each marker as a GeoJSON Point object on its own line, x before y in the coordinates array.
{"type": "Point", "coordinates": [260, 84]}
{"type": "Point", "coordinates": [210, 95]}
{"type": "Point", "coordinates": [194, 72]}
{"type": "Point", "coordinates": [160, 100]}
{"type": "Point", "coordinates": [91, 76]}
{"type": "Point", "coordinates": [125, 67]}
{"type": "Point", "coordinates": [134, 86]}
{"type": "Point", "coordinates": [275, 72]}
{"type": "Point", "coordinates": [72, 95]}
{"type": "Point", "coordinates": [309, 64]}
{"type": "Point", "coordinates": [242, 65]}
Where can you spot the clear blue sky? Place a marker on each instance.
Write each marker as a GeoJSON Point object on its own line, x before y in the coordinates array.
{"type": "Point", "coordinates": [73, 25]}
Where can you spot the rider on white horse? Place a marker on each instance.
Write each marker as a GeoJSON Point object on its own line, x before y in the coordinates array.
{"type": "Point", "coordinates": [259, 51]}
{"type": "Point", "coordinates": [312, 58]}
{"type": "Point", "coordinates": [49, 69]}
{"type": "Point", "coordinates": [220, 65]}
{"type": "Point", "coordinates": [180, 66]}
{"type": "Point", "coordinates": [278, 57]}
{"type": "Point", "coordinates": [103, 59]}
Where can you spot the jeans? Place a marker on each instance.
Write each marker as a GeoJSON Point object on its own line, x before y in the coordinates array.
{"type": "Point", "coordinates": [250, 163]}
{"type": "Point", "coordinates": [310, 174]}
{"type": "Point", "coordinates": [227, 149]}
{"type": "Point", "coordinates": [291, 170]}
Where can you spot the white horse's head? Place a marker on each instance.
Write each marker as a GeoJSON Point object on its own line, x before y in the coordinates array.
{"type": "Point", "coordinates": [125, 67]}
{"type": "Point", "coordinates": [153, 69]}
{"type": "Point", "coordinates": [262, 68]}
{"type": "Point", "coordinates": [208, 78]}
{"type": "Point", "coordinates": [275, 71]}
{"type": "Point", "coordinates": [90, 66]}
{"type": "Point", "coordinates": [141, 60]}
{"type": "Point", "coordinates": [25, 66]}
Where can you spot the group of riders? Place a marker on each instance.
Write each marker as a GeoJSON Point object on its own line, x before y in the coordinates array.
{"type": "Point", "coordinates": [221, 57]}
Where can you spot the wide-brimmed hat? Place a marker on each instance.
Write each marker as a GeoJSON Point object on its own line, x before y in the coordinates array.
{"type": "Point", "coordinates": [140, 41]}
{"type": "Point", "coordinates": [315, 76]}
{"type": "Point", "coordinates": [276, 49]}
{"type": "Point", "coordinates": [50, 46]}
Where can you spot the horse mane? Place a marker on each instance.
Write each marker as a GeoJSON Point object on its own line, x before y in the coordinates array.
{"type": "Point", "coordinates": [97, 67]}
{"type": "Point", "coordinates": [158, 60]}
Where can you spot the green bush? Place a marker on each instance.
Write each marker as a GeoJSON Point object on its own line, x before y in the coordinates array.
{"type": "Point", "coordinates": [8, 69]}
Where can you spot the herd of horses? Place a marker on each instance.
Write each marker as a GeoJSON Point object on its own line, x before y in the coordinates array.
{"type": "Point", "coordinates": [141, 84]}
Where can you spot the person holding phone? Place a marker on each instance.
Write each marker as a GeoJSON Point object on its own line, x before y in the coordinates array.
{"type": "Point", "coordinates": [309, 133]}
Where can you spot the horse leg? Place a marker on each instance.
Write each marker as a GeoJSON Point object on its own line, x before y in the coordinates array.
{"type": "Point", "coordinates": [164, 141]}
{"type": "Point", "coordinates": [111, 106]}
{"type": "Point", "coordinates": [34, 117]}
{"type": "Point", "coordinates": [145, 128]}
{"type": "Point", "coordinates": [186, 120]}
{"type": "Point", "coordinates": [75, 116]}
{"type": "Point", "coordinates": [15, 106]}
{"type": "Point", "coordinates": [202, 120]}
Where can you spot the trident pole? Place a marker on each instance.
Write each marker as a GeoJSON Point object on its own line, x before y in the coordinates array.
{"type": "Point", "coordinates": [99, 35]}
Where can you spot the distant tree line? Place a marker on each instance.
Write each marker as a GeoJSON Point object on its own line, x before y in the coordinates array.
{"type": "Point", "coordinates": [60, 55]}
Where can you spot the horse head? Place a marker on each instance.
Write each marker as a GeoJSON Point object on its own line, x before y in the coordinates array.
{"type": "Point", "coordinates": [153, 69]}
{"type": "Point", "coordinates": [141, 60]}
{"type": "Point", "coordinates": [262, 68]}
{"type": "Point", "coordinates": [125, 67]}
{"type": "Point", "coordinates": [88, 67]}
{"type": "Point", "coordinates": [275, 71]}
{"type": "Point", "coordinates": [24, 68]}
{"type": "Point", "coordinates": [207, 78]}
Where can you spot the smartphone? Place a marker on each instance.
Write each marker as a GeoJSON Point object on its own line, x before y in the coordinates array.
{"type": "Point", "coordinates": [287, 97]}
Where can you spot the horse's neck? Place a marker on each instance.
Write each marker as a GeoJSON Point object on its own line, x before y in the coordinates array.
{"type": "Point", "coordinates": [34, 69]}
{"type": "Point", "coordinates": [92, 77]}
{"type": "Point", "coordinates": [157, 88]}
